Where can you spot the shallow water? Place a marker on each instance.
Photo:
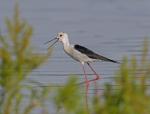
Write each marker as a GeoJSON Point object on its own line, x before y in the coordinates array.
{"type": "Point", "coordinates": [113, 28]}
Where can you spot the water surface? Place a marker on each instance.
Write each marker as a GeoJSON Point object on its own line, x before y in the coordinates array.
{"type": "Point", "coordinates": [112, 28]}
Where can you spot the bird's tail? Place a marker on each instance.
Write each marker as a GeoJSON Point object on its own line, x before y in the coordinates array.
{"type": "Point", "coordinates": [107, 59]}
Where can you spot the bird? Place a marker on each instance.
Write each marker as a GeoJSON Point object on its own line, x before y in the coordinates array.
{"type": "Point", "coordinates": [80, 54]}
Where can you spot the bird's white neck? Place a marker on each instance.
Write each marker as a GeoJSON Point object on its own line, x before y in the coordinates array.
{"type": "Point", "coordinates": [66, 42]}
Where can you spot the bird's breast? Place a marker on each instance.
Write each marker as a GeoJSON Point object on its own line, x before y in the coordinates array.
{"type": "Point", "coordinates": [75, 54]}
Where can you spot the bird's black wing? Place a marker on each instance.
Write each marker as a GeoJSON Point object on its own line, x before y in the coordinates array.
{"type": "Point", "coordinates": [92, 54]}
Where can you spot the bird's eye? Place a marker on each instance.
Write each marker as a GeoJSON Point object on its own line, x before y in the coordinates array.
{"type": "Point", "coordinates": [60, 35]}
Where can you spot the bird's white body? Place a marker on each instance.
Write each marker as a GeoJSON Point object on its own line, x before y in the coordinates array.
{"type": "Point", "coordinates": [71, 51]}
{"type": "Point", "coordinates": [78, 56]}
{"type": "Point", "coordinates": [79, 53]}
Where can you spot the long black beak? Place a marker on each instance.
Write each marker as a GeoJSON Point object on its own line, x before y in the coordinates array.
{"type": "Point", "coordinates": [52, 43]}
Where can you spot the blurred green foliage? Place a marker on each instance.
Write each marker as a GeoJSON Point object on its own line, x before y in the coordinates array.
{"type": "Point", "coordinates": [130, 95]}
{"type": "Point", "coordinates": [68, 99]}
{"type": "Point", "coordinates": [17, 60]}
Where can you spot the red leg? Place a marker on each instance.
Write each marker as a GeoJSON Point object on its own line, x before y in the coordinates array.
{"type": "Point", "coordinates": [87, 87]}
{"type": "Point", "coordinates": [97, 78]}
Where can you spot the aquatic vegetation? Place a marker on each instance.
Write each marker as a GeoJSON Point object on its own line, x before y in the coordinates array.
{"type": "Point", "coordinates": [17, 60]}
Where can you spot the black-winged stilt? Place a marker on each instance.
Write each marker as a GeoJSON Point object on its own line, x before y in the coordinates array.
{"type": "Point", "coordinates": [81, 54]}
